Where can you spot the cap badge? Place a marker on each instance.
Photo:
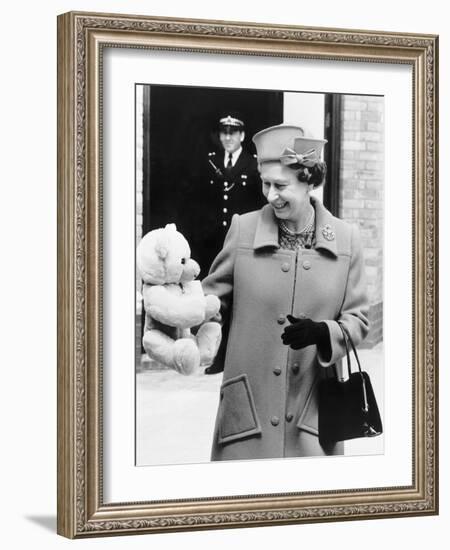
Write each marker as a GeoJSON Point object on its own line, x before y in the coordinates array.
{"type": "Point", "coordinates": [230, 121]}
{"type": "Point", "coordinates": [328, 233]}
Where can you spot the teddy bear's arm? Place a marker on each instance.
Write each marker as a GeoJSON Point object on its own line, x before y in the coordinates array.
{"type": "Point", "coordinates": [212, 306]}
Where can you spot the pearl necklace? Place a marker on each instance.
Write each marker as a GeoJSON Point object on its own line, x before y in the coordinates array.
{"type": "Point", "coordinates": [307, 229]}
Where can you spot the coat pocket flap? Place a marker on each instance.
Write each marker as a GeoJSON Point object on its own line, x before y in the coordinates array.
{"type": "Point", "coordinates": [308, 419]}
{"type": "Point", "coordinates": [238, 418]}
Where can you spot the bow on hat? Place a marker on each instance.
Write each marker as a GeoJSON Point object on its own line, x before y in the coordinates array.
{"type": "Point", "coordinates": [308, 158]}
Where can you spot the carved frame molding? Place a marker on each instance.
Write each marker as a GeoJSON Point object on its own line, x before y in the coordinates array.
{"type": "Point", "coordinates": [81, 37]}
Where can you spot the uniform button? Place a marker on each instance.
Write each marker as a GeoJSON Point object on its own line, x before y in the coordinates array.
{"type": "Point", "coordinates": [289, 417]}
{"type": "Point", "coordinates": [244, 183]}
{"type": "Point", "coordinates": [274, 420]}
{"type": "Point", "coordinates": [225, 197]}
{"type": "Point", "coordinates": [211, 182]}
{"type": "Point", "coordinates": [225, 210]}
{"type": "Point", "coordinates": [281, 320]}
{"type": "Point", "coordinates": [224, 223]}
{"type": "Point", "coordinates": [277, 371]}
{"type": "Point", "coordinates": [285, 267]}
{"type": "Point", "coordinates": [295, 368]}
{"type": "Point", "coordinates": [306, 264]}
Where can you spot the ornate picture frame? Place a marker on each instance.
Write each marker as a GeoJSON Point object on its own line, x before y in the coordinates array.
{"type": "Point", "coordinates": [82, 509]}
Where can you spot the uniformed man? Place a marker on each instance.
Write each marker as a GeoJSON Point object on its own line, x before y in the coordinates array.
{"type": "Point", "coordinates": [234, 187]}
{"type": "Point", "coordinates": [234, 172]}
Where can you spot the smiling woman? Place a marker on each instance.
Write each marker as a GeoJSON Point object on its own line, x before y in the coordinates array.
{"type": "Point", "coordinates": [291, 261]}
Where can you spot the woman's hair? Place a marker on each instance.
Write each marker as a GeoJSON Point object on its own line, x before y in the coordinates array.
{"type": "Point", "coordinates": [314, 175]}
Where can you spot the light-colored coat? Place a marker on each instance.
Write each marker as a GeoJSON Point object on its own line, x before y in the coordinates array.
{"type": "Point", "coordinates": [268, 399]}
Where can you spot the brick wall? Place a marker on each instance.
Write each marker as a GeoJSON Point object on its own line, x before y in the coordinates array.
{"type": "Point", "coordinates": [361, 192]}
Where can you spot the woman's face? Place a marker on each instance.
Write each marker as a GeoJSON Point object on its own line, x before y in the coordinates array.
{"type": "Point", "coordinates": [288, 197]}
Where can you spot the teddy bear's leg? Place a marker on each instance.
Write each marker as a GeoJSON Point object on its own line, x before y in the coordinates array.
{"type": "Point", "coordinates": [181, 355]}
{"type": "Point", "coordinates": [186, 356]}
{"type": "Point", "coordinates": [159, 346]}
{"type": "Point", "coordinates": [208, 341]}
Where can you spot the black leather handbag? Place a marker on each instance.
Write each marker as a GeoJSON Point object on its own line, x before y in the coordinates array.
{"type": "Point", "coordinates": [348, 409]}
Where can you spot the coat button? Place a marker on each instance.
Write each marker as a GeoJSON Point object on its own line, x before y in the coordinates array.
{"type": "Point", "coordinates": [274, 420]}
{"type": "Point", "coordinates": [285, 267]}
{"type": "Point", "coordinates": [277, 371]}
{"type": "Point", "coordinates": [281, 319]}
{"type": "Point", "coordinates": [289, 417]}
{"type": "Point", "coordinates": [306, 264]}
{"type": "Point", "coordinates": [295, 368]}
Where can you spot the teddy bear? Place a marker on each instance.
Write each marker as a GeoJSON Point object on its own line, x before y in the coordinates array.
{"type": "Point", "coordinates": [174, 303]}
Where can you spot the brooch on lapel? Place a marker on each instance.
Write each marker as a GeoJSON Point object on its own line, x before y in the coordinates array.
{"type": "Point", "coordinates": [328, 233]}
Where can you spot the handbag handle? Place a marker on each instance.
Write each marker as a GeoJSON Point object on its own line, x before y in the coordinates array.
{"type": "Point", "coordinates": [347, 339]}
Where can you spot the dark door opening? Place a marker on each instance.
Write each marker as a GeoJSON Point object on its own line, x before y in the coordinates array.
{"type": "Point", "coordinates": [180, 129]}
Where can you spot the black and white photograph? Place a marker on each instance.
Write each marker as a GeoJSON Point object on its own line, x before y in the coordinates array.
{"type": "Point", "coordinates": [259, 274]}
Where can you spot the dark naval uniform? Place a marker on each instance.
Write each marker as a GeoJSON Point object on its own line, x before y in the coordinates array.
{"type": "Point", "coordinates": [236, 189]}
{"type": "Point", "coordinates": [225, 191]}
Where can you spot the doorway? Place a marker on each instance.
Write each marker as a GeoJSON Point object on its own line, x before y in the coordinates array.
{"type": "Point", "coordinates": [180, 129]}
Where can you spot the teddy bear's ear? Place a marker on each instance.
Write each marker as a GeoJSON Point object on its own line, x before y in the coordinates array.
{"type": "Point", "coordinates": [163, 244]}
{"type": "Point", "coordinates": [162, 248]}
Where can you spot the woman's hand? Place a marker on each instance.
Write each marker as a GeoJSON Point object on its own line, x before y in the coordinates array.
{"type": "Point", "coordinates": [306, 332]}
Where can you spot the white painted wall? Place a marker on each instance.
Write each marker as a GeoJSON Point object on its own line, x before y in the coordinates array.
{"type": "Point", "coordinates": [307, 111]}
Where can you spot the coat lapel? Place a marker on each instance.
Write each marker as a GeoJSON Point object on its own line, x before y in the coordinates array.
{"type": "Point", "coordinates": [325, 228]}
{"type": "Point", "coordinates": [266, 233]}
{"type": "Point", "coordinates": [240, 162]}
{"type": "Point", "coordinates": [240, 166]}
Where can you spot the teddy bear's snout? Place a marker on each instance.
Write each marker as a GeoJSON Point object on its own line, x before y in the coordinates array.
{"type": "Point", "coordinates": [191, 269]}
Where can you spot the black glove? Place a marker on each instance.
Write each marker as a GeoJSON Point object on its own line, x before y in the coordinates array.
{"type": "Point", "coordinates": [305, 332]}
